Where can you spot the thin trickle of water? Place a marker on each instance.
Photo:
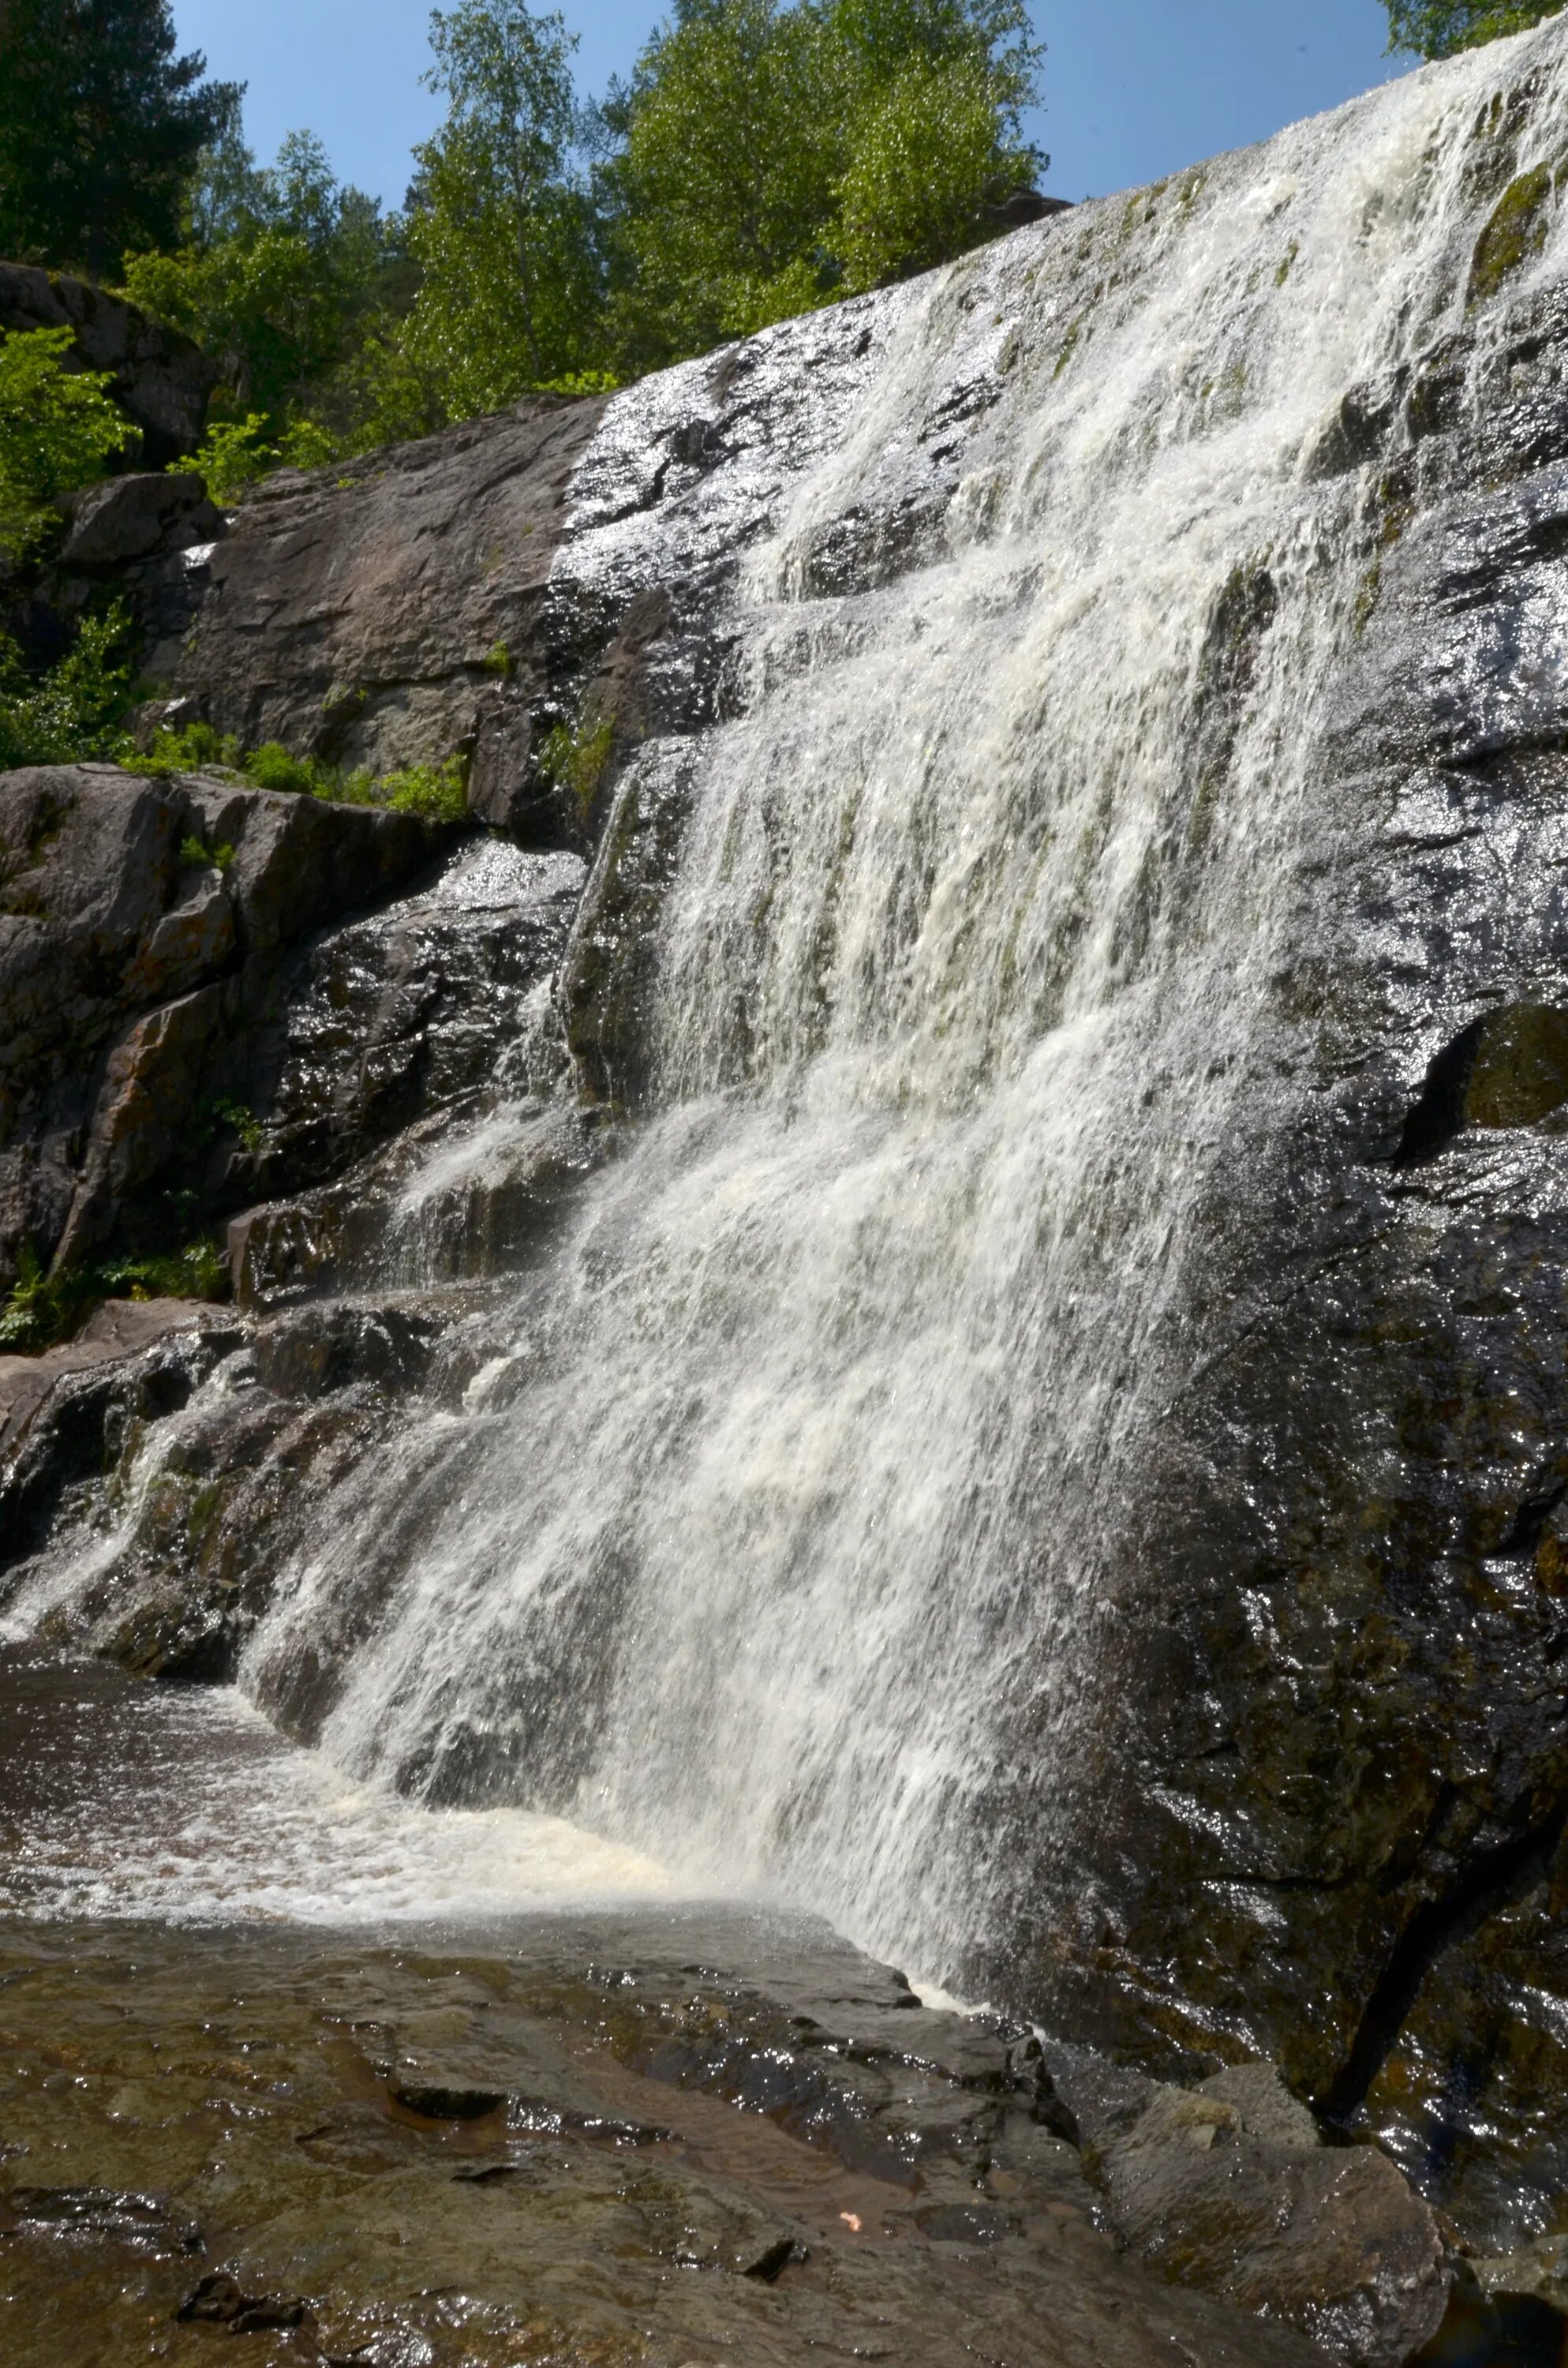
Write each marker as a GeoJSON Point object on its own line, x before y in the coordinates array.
{"type": "Point", "coordinates": [778, 1542]}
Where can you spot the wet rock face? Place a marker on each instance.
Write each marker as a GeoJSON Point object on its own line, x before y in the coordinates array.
{"type": "Point", "coordinates": [1343, 1684]}
{"type": "Point", "coordinates": [1229, 2186]}
{"type": "Point", "coordinates": [142, 926]}
{"type": "Point", "coordinates": [597, 2144]}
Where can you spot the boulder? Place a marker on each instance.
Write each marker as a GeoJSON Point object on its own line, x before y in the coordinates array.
{"type": "Point", "coordinates": [136, 518]}
{"type": "Point", "coordinates": [1229, 2186]}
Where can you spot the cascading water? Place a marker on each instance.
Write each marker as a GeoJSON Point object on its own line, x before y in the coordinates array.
{"type": "Point", "coordinates": [777, 1537]}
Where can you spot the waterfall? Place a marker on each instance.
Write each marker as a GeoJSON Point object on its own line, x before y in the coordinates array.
{"type": "Point", "coordinates": [777, 1534]}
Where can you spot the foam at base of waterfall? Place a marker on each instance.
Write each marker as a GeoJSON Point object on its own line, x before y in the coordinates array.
{"type": "Point", "coordinates": [187, 1807]}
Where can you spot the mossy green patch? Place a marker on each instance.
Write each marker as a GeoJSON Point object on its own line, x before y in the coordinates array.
{"type": "Point", "coordinates": [1516, 232]}
{"type": "Point", "coordinates": [577, 762]}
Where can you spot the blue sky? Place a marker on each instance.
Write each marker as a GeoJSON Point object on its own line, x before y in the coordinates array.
{"type": "Point", "coordinates": [1134, 88]}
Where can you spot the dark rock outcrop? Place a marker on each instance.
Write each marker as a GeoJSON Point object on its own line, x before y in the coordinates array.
{"type": "Point", "coordinates": [390, 612]}
{"type": "Point", "coordinates": [143, 927]}
{"type": "Point", "coordinates": [159, 379]}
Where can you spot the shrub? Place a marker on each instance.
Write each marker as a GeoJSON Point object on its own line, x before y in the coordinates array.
{"type": "Point", "coordinates": [43, 1308]}
{"type": "Point", "coordinates": [196, 856]}
{"type": "Point", "coordinates": [57, 428]}
{"type": "Point", "coordinates": [271, 766]}
{"type": "Point", "coordinates": [189, 748]}
{"type": "Point", "coordinates": [1437, 29]}
{"type": "Point", "coordinates": [231, 458]}
{"type": "Point", "coordinates": [73, 711]}
{"type": "Point", "coordinates": [439, 792]}
{"type": "Point", "coordinates": [575, 761]}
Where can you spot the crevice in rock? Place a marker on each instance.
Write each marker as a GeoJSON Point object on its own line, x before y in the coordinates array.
{"type": "Point", "coordinates": [1436, 1115]}
{"type": "Point", "coordinates": [1492, 1880]}
{"type": "Point", "coordinates": [1528, 1525]}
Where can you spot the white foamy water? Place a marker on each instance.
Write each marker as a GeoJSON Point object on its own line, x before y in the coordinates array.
{"type": "Point", "coordinates": [187, 1806]}
{"type": "Point", "coordinates": [784, 1549]}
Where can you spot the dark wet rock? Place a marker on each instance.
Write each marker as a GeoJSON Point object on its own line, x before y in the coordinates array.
{"type": "Point", "coordinates": [133, 973]}
{"type": "Point", "coordinates": [1021, 207]}
{"type": "Point", "coordinates": [159, 378]}
{"type": "Point", "coordinates": [634, 2218]}
{"type": "Point", "coordinates": [119, 1329]}
{"type": "Point", "coordinates": [221, 2300]}
{"type": "Point", "coordinates": [611, 966]}
{"type": "Point", "coordinates": [1228, 2186]}
{"type": "Point", "coordinates": [330, 1345]}
{"type": "Point", "coordinates": [1325, 1816]}
{"type": "Point", "coordinates": [69, 1417]}
{"type": "Point", "coordinates": [146, 2222]}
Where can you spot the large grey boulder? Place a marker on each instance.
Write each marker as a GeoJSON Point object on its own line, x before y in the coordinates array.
{"type": "Point", "coordinates": [1228, 2186]}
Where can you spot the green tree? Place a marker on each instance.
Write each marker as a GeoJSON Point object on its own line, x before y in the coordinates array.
{"type": "Point", "coordinates": [1438, 28]}
{"type": "Point", "coordinates": [772, 156]}
{"type": "Point", "coordinates": [57, 428]}
{"type": "Point", "coordinates": [282, 275]}
{"type": "Point", "coordinates": [101, 123]}
{"type": "Point", "coordinates": [501, 223]}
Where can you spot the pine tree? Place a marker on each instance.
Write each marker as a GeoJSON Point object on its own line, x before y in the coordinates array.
{"type": "Point", "coordinates": [100, 126]}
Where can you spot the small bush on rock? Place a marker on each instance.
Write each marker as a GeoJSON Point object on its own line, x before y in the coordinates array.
{"type": "Point", "coordinates": [189, 748]}
{"type": "Point", "coordinates": [71, 713]}
{"type": "Point", "coordinates": [439, 792]}
{"type": "Point", "coordinates": [42, 1309]}
{"type": "Point", "coordinates": [231, 458]}
{"type": "Point", "coordinates": [575, 761]}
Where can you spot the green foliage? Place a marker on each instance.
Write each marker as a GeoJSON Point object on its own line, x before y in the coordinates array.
{"type": "Point", "coordinates": [439, 792]}
{"type": "Point", "coordinates": [43, 1308]}
{"type": "Point", "coordinates": [242, 1121]}
{"type": "Point", "coordinates": [501, 223]}
{"type": "Point", "coordinates": [196, 856]}
{"type": "Point", "coordinates": [58, 426]}
{"type": "Point", "coordinates": [307, 445]}
{"type": "Point", "coordinates": [101, 123]}
{"type": "Point", "coordinates": [271, 766]}
{"type": "Point", "coordinates": [774, 156]}
{"type": "Point", "coordinates": [288, 278]}
{"type": "Point", "coordinates": [73, 712]}
{"type": "Point", "coordinates": [189, 749]}
{"type": "Point", "coordinates": [577, 761]}
{"type": "Point", "coordinates": [231, 458]}
{"type": "Point", "coordinates": [1438, 28]}
{"type": "Point", "coordinates": [922, 153]}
